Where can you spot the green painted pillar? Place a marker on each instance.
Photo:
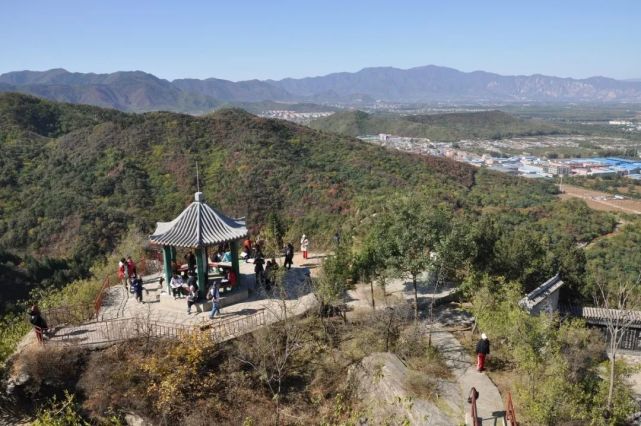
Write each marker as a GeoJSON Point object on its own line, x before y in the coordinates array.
{"type": "Point", "coordinates": [234, 259]}
{"type": "Point", "coordinates": [166, 259]}
{"type": "Point", "coordinates": [173, 253]}
{"type": "Point", "coordinates": [201, 271]}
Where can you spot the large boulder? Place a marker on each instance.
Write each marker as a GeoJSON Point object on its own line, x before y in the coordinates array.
{"type": "Point", "coordinates": [388, 390]}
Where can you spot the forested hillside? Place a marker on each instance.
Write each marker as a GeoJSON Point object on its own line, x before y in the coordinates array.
{"type": "Point", "coordinates": [437, 127]}
{"type": "Point", "coordinates": [75, 178]}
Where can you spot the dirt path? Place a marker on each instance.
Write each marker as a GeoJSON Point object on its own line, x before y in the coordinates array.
{"type": "Point", "coordinates": [601, 200]}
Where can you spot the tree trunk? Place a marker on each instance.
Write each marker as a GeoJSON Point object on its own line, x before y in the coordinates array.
{"type": "Point", "coordinates": [415, 298]}
{"type": "Point", "coordinates": [371, 288]}
{"type": "Point", "coordinates": [613, 354]}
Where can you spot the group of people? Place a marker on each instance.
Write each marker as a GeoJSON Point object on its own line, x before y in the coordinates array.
{"type": "Point", "coordinates": [128, 276]}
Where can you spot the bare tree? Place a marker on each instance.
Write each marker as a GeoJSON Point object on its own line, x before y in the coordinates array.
{"type": "Point", "coordinates": [269, 351]}
{"type": "Point", "coordinates": [622, 300]}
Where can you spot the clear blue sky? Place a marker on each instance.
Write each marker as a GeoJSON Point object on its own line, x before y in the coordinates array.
{"type": "Point", "coordinates": [238, 40]}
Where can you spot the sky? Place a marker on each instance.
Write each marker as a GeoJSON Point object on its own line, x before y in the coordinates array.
{"type": "Point", "coordinates": [240, 40]}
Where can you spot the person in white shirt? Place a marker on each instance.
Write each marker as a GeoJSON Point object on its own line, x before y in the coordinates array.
{"type": "Point", "coordinates": [177, 285]}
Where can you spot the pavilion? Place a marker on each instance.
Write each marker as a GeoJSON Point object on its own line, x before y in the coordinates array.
{"type": "Point", "coordinates": [198, 227]}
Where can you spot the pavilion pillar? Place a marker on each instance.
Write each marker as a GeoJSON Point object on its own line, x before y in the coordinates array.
{"type": "Point", "coordinates": [234, 258]}
{"type": "Point", "coordinates": [173, 253]}
{"type": "Point", "coordinates": [166, 258]}
{"type": "Point", "coordinates": [201, 268]}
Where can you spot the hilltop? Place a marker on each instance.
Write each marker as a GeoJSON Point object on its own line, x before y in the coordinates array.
{"type": "Point", "coordinates": [439, 127]}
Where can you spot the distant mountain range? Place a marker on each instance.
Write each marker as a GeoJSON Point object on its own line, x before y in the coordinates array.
{"type": "Point", "coordinates": [140, 91]}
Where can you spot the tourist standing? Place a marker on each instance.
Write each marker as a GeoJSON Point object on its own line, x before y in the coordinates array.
{"type": "Point", "coordinates": [35, 317]}
{"type": "Point", "coordinates": [304, 245]}
{"type": "Point", "coordinates": [482, 350]}
{"type": "Point", "coordinates": [289, 256]}
{"type": "Point", "coordinates": [191, 262]}
{"type": "Point", "coordinates": [192, 298]}
{"type": "Point", "coordinates": [214, 294]}
{"type": "Point", "coordinates": [259, 269]}
{"type": "Point", "coordinates": [131, 267]}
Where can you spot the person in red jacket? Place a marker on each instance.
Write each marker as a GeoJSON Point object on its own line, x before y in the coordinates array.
{"type": "Point", "coordinates": [482, 350]}
{"type": "Point", "coordinates": [122, 271]}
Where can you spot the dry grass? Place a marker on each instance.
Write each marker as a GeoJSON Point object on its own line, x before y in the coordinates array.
{"type": "Point", "coordinates": [421, 385]}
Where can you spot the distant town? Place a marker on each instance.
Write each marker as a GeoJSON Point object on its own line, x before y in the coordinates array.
{"type": "Point", "coordinates": [530, 166]}
{"type": "Point", "coordinates": [294, 116]}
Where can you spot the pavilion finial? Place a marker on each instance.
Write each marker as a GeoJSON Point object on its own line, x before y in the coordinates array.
{"type": "Point", "coordinates": [197, 178]}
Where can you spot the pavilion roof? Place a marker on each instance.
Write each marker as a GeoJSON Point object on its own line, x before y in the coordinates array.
{"type": "Point", "coordinates": [198, 225]}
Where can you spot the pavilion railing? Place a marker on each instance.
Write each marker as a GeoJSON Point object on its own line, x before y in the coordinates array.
{"type": "Point", "coordinates": [114, 330]}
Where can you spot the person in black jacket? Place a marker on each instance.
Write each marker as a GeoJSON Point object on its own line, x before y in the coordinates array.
{"type": "Point", "coordinates": [482, 350]}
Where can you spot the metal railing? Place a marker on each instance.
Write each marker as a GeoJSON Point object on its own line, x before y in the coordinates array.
{"type": "Point", "coordinates": [97, 304]}
{"type": "Point", "coordinates": [108, 331]}
{"type": "Point", "coordinates": [510, 414]}
{"type": "Point", "coordinates": [473, 410]}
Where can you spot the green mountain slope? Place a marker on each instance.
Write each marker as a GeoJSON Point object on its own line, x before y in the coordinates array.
{"type": "Point", "coordinates": [438, 127]}
{"type": "Point", "coordinates": [75, 177]}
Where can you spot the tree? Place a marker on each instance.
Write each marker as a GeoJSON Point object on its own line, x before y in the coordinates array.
{"type": "Point", "coordinates": [334, 281]}
{"type": "Point", "coordinates": [414, 231]}
{"type": "Point", "coordinates": [623, 298]}
{"type": "Point", "coordinates": [370, 262]}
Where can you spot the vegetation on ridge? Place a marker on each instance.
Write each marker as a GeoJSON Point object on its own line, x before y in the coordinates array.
{"type": "Point", "coordinates": [437, 127]}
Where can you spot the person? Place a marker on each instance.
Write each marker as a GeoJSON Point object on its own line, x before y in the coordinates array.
{"type": "Point", "coordinates": [258, 268]}
{"type": "Point", "coordinates": [214, 295]}
{"type": "Point", "coordinates": [191, 262]}
{"type": "Point", "coordinates": [35, 318]}
{"type": "Point", "coordinates": [247, 246]}
{"type": "Point", "coordinates": [192, 298]}
{"type": "Point", "coordinates": [176, 285]}
{"type": "Point", "coordinates": [131, 267]}
{"type": "Point", "coordinates": [122, 271]}
{"type": "Point", "coordinates": [136, 283]}
{"type": "Point", "coordinates": [289, 256]}
{"type": "Point", "coordinates": [482, 350]}
{"type": "Point", "coordinates": [304, 245]}
{"type": "Point", "coordinates": [192, 281]}
{"type": "Point", "coordinates": [337, 239]}
{"type": "Point", "coordinates": [268, 275]}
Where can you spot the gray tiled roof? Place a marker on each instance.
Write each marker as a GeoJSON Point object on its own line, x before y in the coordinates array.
{"type": "Point", "coordinates": [537, 295]}
{"type": "Point", "coordinates": [198, 225]}
{"type": "Point", "coordinates": [601, 315]}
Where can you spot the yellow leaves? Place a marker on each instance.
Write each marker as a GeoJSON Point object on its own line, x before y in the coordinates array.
{"type": "Point", "coordinates": [176, 372]}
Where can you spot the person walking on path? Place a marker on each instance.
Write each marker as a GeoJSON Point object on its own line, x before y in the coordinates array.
{"type": "Point", "coordinates": [214, 295]}
{"type": "Point", "coordinates": [122, 272]}
{"type": "Point", "coordinates": [482, 350]}
{"type": "Point", "coordinates": [136, 283]}
{"type": "Point", "coordinates": [304, 245]}
{"type": "Point", "coordinates": [289, 256]}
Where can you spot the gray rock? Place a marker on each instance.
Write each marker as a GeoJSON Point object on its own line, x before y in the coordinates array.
{"type": "Point", "coordinates": [381, 380]}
